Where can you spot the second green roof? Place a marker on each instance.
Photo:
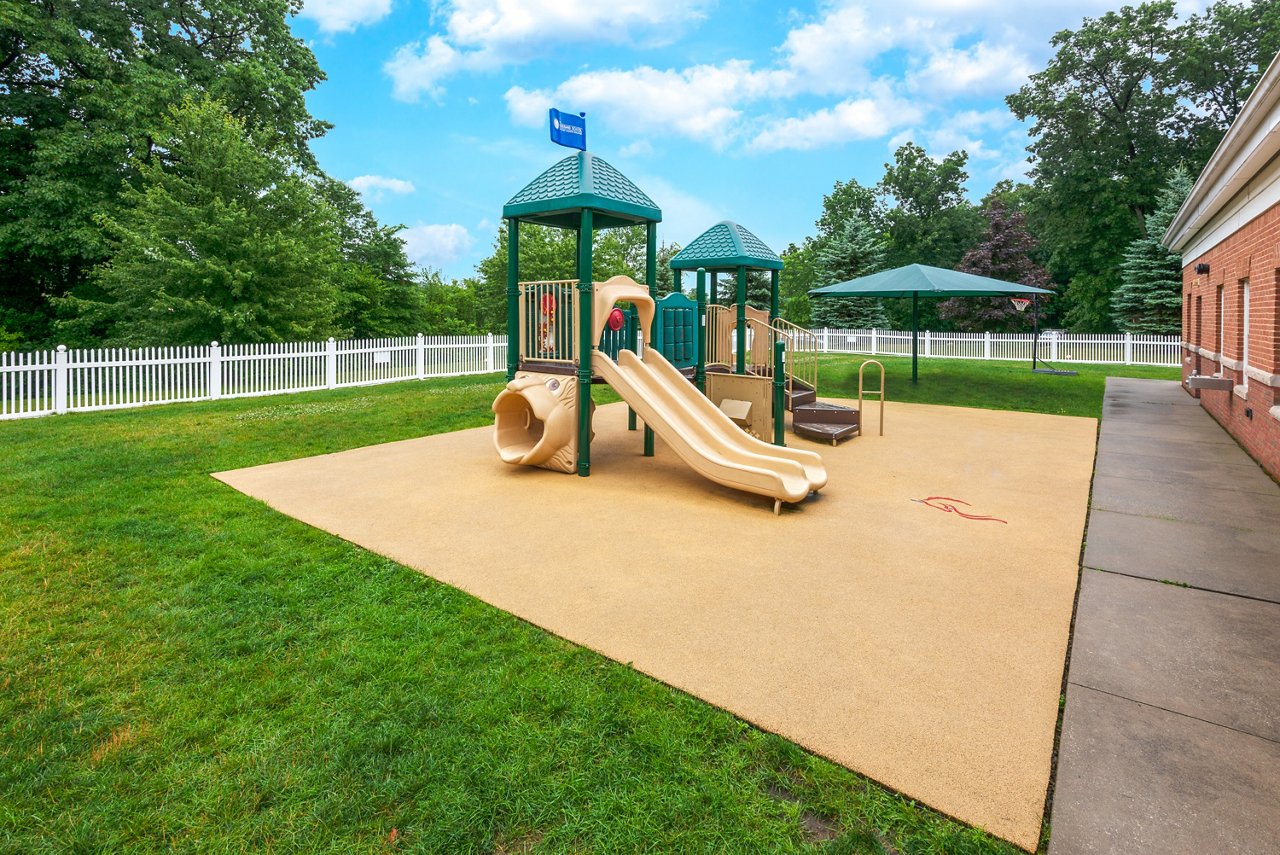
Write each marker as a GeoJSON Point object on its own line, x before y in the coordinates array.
{"type": "Point", "coordinates": [726, 245]}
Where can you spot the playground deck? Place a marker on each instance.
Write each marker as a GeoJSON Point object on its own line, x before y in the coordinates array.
{"type": "Point", "coordinates": [884, 624]}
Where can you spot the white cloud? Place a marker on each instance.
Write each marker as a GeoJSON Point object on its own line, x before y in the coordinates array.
{"type": "Point", "coordinates": [436, 245]}
{"type": "Point", "coordinates": [852, 119]}
{"type": "Point", "coordinates": [830, 55]}
{"type": "Point", "coordinates": [979, 70]}
{"type": "Point", "coordinates": [639, 148]}
{"type": "Point", "coordinates": [486, 34]}
{"type": "Point", "coordinates": [702, 102]}
{"type": "Point", "coordinates": [376, 186]}
{"type": "Point", "coordinates": [341, 16]}
{"type": "Point", "coordinates": [836, 75]}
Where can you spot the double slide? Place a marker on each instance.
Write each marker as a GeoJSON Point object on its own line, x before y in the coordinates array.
{"type": "Point", "coordinates": [702, 436]}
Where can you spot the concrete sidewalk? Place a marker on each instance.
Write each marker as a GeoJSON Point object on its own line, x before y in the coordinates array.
{"type": "Point", "coordinates": [1171, 732]}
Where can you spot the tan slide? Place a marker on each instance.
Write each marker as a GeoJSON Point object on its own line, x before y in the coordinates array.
{"type": "Point", "coordinates": [704, 437]}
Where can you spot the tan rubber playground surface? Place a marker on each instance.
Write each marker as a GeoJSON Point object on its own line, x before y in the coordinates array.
{"type": "Point", "coordinates": [918, 647]}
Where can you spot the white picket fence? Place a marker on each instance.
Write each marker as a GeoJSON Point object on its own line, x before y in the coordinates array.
{"type": "Point", "coordinates": [41, 383]}
{"type": "Point", "coordinates": [1117, 349]}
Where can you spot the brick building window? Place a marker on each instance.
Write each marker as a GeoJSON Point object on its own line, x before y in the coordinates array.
{"type": "Point", "coordinates": [1244, 334]}
{"type": "Point", "coordinates": [1220, 337]}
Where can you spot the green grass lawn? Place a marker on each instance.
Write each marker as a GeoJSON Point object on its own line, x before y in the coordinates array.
{"type": "Point", "coordinates": [989, 385]}
{"type": "Point", "coordinates": [183, 668]}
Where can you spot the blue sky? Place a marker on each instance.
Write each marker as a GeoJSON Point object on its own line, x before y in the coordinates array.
{"type": "Point", "coordinates": [745, 111]}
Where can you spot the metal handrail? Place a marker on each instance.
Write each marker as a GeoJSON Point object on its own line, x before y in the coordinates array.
{"type": "Point", "coordinates": [803, 347]}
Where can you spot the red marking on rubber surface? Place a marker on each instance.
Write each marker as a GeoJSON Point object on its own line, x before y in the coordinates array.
{"type": "Point", "coordinates": [948, 505]}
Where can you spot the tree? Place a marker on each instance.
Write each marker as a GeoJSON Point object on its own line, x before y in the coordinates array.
{"type": "Point", "coordinates": [855, 251]}
{"type": "Point", "coordinates": [932, 221]}
{"type": "Point", "coordinates": [800, 274]}
{"type": "Point", "coordinates": [227, 242]}
{"type": "Point", "coordinates": [1005, 253]}
{"type": "Point", "coordinates": [382, 294]}
{"type": "Point", "coordinates": [1107, 127]}
{"type": "Point", "coordinates": [1149, 299]}
{"type": "Point", "coordinates": [666, 280]}
{"type": "Point", "coordinates": [84, 86]}
{"type": "Point", "coordinates": [848, 200]}
{"type": "Point", "coordinates": [449, 307]}
{"type": "Point", "coordinates": [1220, 56]}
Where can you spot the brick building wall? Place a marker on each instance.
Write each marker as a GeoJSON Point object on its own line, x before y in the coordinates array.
{"type": "Point", "coordinates": [1213, 326]}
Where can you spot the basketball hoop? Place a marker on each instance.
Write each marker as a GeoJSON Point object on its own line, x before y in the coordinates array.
{"type": "Point", "coordinates": [1020, 303]}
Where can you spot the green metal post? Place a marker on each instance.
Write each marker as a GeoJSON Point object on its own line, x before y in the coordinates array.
{"type": "Point", "coordinates": [779, 393]}
{"type": "Point", "coordinates": [711, 296]}
{"type": "Point", "coordinates": [635, 345]}
{"type": "Point", "coordinates": [773, 296]}
{"type": "Point", "coordinates": [651, 282]}
{"type": "Point", "coordinates": [741, 301]}
{"type": "Point", "coordinates": [514, 344]}
{"type": "Point", "coordinates": [915, 335]}
{"type": "Point", "coordinates": [586, 336]}
{"type": "Point", "coordinates": [700, 372]}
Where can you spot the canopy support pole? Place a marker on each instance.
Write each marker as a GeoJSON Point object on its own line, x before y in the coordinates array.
{"type": "Point", "coordinates": [915, 336]}
{"type": "Point", "coordinates": [741, 301]}
{"type": "Point", "coordinates": [700, 373]}
{"type": "Point", "coordinates": [650, 283]}
{"type": "Point", "coordinates": [514, 345]}
{"type": "Point", "coordinates": [586, 340]}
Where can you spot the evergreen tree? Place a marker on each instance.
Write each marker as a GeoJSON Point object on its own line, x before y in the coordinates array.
{"type": "Point", "coordinates": [1149, 299]}
{"type": "Point", "coordinates": [666, 276]}
{"type": "Point", "coordinates": [856, 250]}
{"type": "Point", "coordinates": [1005, 253]}
{"type": "Point", "coordinates": [227, 242]}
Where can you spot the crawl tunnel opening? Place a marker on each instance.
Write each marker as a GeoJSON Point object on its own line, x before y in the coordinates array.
{"type": "Point", "coordinates": [519, 430]}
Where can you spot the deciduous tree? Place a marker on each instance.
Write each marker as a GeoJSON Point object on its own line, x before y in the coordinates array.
{"type": "Point", "coordinates": [1005, 253]}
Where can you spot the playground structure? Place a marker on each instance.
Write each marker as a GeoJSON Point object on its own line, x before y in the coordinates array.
{"type": "Point", "coordinates": [739, 361]}
{"type": "Point", "coordinates": [569, 333]}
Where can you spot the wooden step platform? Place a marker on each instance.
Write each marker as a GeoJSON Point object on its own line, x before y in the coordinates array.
{"type": "Point", "coordinates": [798, 395]}
{"type": "Point", "coordinates": [823, 421]}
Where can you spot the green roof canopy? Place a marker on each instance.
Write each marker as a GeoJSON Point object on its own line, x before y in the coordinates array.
{"type": "Point", "coordinates": [557, 196]}
{"type": "Point", "coordinates": [916, 280]}
{"type": "Point", "coordinates": [925, 281]}
{"type": "Point", "coordinates": [726, 245]}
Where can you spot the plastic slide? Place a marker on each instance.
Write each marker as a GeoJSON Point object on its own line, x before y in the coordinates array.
{"type": "Point", "coordinates": [702, 436]}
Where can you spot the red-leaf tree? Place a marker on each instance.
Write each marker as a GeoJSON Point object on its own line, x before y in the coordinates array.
{"type": "Point", "coordinates": [1005, 253]}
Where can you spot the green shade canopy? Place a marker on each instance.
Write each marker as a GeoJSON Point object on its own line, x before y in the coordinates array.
{"type": "Point", "coordinates": [726, 245]}
{"type": "Point", "coordinates": [917, 279]}
{"type": "Point", "coordinates": [925, 281]}
{"type": "Point", "coordinates": [558, 196]}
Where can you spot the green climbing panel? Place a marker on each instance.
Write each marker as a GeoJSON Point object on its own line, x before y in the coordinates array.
{"type": "Point", "coordinates": [676, 330]}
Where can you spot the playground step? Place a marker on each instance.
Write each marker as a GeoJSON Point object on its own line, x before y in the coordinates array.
{"type": "Point", "coordinates": [823, 421]}
{"type": "Point", "coordinates": [821, 412]}
{"type": "Point", "coordinates": [799, 396]}
{"type": "Point", "coordinates": [824, 431]}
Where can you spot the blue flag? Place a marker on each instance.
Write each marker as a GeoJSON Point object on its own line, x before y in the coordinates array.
{"type": "Point", "coordinates": [568, 129]}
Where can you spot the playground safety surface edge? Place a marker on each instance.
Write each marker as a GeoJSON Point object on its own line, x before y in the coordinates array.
{"type": "Point", "coordinates": [914, 644]}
